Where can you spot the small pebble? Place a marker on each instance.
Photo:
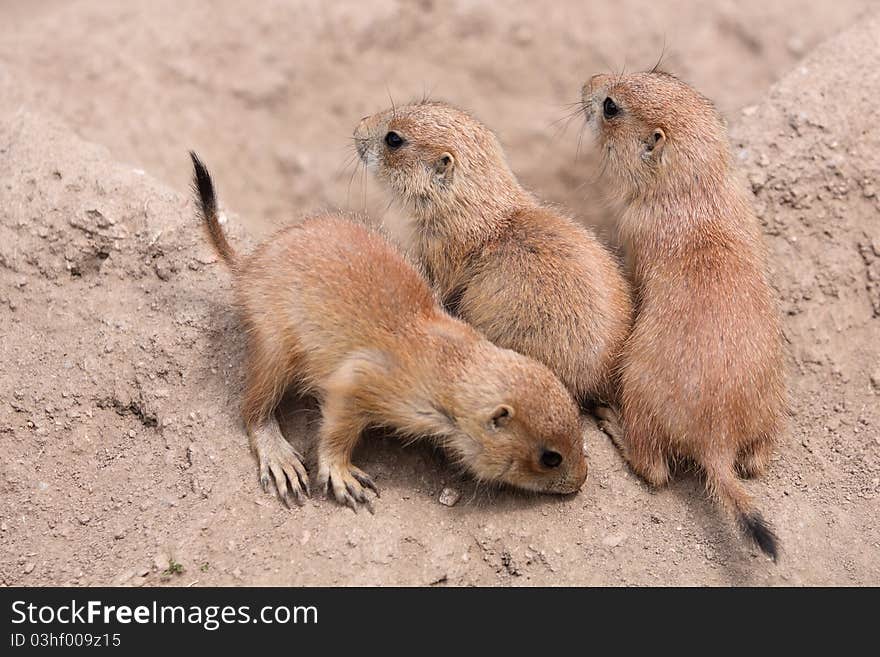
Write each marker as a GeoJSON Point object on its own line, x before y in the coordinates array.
{"type": "Point", "coordinates": [161, 561]}
{"type": "Point", "coordinates": [122, 578]}
{"type": "Point", "coordinates": [796, 46]}
{"type": "Point", "coordinates": [449, 496]}
{"type": "Point", "coordinates": [613, 540]}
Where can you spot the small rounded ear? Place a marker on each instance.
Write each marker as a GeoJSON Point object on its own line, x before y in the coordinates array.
{"type": "Point", "coordinates": [444, 165]}
{"type": "Point", "coordinates": [656, 142]}
{"type": "Point", "coordinates": [501, 416]}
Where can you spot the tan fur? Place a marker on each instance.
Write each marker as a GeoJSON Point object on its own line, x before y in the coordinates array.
{"type": "Point", "coordinates": [332, 308]}
{"type": "Point", "coordinates": [702, 372]}
{"type": "Point", "coordinates": [527, 277]}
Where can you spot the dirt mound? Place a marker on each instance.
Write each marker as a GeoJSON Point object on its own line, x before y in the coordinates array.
{"type": "Point", "coordinates": [270, 97]}
{"type": "Point", "coordinates": [811, 157]}
{"type": "Point", "coordinates": [122, 450]}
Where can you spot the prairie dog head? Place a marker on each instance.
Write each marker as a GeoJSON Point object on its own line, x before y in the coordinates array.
{"type": "Point", "coordinates": [517, 424]}
{"type": "Point", "coordinates": [434, 157]}
{"type": "Point", "coordinates": [653, 129]}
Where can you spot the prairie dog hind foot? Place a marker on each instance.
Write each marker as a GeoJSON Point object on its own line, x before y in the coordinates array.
{"type": "Point", "coordinates": [608, 421]}
{"type": "Point", "coordinates": [652, 466]}
{"type": "Point", "coordinates": [754, 459]}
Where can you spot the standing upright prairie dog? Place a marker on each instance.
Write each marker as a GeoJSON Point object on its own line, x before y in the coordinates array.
{"type": "Point", "coordinates": [527, 277]}
{"type": "Point", "coordinates": [702, 373]}
{"type": "Point", "coordinates": [332, 308]}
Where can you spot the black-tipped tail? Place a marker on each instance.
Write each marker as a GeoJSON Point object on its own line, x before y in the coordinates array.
{"type": "Point", "coordinates": [726, 487]}
{"type": "Point", "coordinates": [757, 529]}
{"type": "Point", "coordinates": [206, 199]}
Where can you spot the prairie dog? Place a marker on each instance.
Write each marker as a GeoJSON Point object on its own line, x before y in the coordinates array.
{"type": "Point", "coordinates": [331, 307]}
{"type": "Point", "coordinates": [702, 375]}
{"type": "Point", "coordinates": [525, 276]}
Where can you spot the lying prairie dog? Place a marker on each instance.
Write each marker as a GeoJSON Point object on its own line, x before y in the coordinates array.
{"type": "Point", "coordinates": [332, 308]}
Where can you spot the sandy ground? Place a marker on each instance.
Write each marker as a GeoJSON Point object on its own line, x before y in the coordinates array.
{"type": "Point", "coordinates": [120, 446]}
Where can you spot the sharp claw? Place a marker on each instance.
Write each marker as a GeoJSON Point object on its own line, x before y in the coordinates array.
{"type": "Point", "coordinates": [285, 497]}
{"type": "Point", "coordinates": [369, 505]}
{"type": "Point", "coordinates": [293, 477]}
{"type": "Point", "coordinates": [264, 476]}
{"type": "Point", "coordinates": [357, 495]}
{"type": "Point", "coordinates": [369, 484]}
{"type": "Point", "coordinates": [304, 482]}
{"type": "Point", "coordinates": [298, 496]}
{"type": "Point", "coordinates": [366, 481]}
{"type": "Point", "coordinates": [351, 503]}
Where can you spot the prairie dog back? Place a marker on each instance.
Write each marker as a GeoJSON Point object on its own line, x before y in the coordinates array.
{"type": "Point", "coordinates": [348, 272]}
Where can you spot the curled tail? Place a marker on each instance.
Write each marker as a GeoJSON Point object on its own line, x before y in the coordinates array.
{"type": "Point", "coordinates": [207, 203]}
{"type": "Point", "coordinates": [727, 487]}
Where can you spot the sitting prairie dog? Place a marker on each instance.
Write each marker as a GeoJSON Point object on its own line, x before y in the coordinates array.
{"type": "Point", "coordinates": [702, 375]}
{"type": "Point", "coordinates": [331, 307]}
{"type": "Point", "coordinates": [526, 277]}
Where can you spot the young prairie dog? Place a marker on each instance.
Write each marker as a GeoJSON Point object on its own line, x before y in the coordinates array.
{"type": "Point", "coordinates": [525, 276]}
{"type": "Point", "coordinates": [702, 373]}
{"type": "Point", "coordinates": [331, 307]}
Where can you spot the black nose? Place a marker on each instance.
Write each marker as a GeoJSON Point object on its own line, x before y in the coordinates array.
{"type": "Point", "coordinates": [550, 459]}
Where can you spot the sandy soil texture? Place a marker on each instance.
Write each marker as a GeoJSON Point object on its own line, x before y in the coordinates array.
{"type": "Point", "coordinates": [121, 450]}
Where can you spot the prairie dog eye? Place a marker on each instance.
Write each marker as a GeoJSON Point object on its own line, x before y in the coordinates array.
{"type": "Point", "coordinates": [393, 140]}
{"type": "Point", "coordinates": [610, 108]}
{"type": "Point", "coordinates": [550, 459]}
